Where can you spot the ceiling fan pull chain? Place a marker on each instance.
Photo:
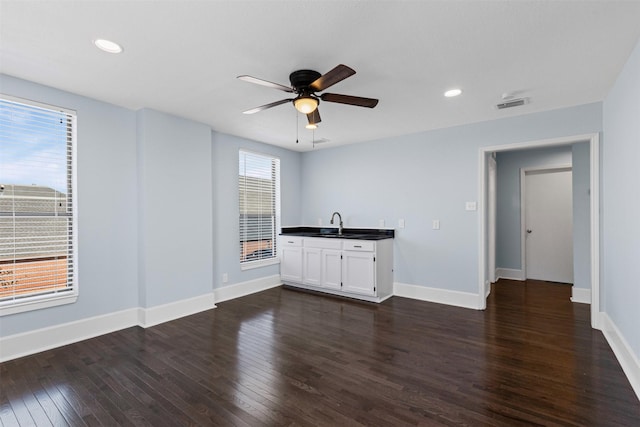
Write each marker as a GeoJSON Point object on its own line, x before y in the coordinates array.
{"type": "Point", "coordinates": [297, 126]}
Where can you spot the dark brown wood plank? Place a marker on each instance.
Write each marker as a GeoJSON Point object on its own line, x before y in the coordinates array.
{"type": "Point", "coordinates": [284, 357]}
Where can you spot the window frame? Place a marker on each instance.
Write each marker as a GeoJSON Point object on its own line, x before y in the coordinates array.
{"type": "Point", "coordinates": [41, 301]}
{"type": "Point", "coordinates": [273, 259]}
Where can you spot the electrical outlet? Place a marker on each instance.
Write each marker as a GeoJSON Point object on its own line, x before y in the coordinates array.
{"type": "Point", "coordinates": [470, 206]}
{"type": "Point", "coordinates": [319, 221]}
{"type": "Point", "coordinates": [225, 277]}
{"type": "Point", "coordinates": [381, 223]}
{"type": "Point", "coordinates": [401, 223]}
{"type": "Point", "coordinates": [436, 224]}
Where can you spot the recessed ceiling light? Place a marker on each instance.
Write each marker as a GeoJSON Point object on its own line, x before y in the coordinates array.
{"type": "Point", "coordinates": [453, 92]}
{"type": "Point", "coordinates": [108, 46]}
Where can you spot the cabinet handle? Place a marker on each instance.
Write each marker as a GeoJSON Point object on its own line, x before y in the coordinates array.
{"type": "Point", "coordinates": [357, 246]}
{"type": "Point", "coordinates": [289, 241]}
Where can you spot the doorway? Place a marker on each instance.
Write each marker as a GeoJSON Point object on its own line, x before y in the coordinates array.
{"type": "Point", "coordinates": [594, 220]}
{"type": "Point", "coordinates": [547, 224]}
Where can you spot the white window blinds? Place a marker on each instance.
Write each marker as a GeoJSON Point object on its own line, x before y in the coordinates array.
{"type": "Point", "coordinates": [37, 231]}
{"type": "Point", "coordinates": [259, 206]}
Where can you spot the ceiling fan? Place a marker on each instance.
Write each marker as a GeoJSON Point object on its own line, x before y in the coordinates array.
{"type": "Point", "coordinates": [305, 84]}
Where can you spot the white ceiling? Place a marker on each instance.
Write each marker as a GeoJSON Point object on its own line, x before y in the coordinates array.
{"type": "Point", "coordinates": [182, 57]}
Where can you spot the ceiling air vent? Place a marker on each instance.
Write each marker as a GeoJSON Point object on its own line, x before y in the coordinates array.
{"type": "Point", "coordinates": [512, 103]}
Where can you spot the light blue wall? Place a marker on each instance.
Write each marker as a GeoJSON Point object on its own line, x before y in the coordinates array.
{"type": "Point", "coordinates": [226, 208]}
{"type": "Point", "coordinates": [581, 161]}
{"type": "Point", "coordinates": [107, 209]}
{"type": "Point", "coordinates": [175, 208]}
{"type": "Point", "coordinates": [422, 177]}
{"type": "Point", "coordinates": [508, 215]}
{"type": "Point", "coordinates": [621, 202]}
{"type": "Point", "coordinates": [158, 208]}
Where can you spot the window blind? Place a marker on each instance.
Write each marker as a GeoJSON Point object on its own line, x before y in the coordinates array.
{"type": "Point", "coordinates": [37, 234]}
{"type": "Point", "coordinates": [258, 197]}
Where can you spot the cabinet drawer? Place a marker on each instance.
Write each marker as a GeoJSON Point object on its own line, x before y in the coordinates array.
{"type": "Point", "coordinates": [359, 245]}
{"type": "Point", "coordinates": [322, 243]}
{"type": "Point", "coordinates": [291, 241]}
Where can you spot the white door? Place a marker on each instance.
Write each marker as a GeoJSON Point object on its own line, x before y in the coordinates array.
{"type": "Point", "coordinates": [331, 269]}
{"type": "Point", "coordinates": [358, 272]}
{"type": "Point", "coordinates": [549, 225]}
{"type": "Point", "coordinates": [311, 266]}
{"type": "Point", "coordinates": [291, 264]}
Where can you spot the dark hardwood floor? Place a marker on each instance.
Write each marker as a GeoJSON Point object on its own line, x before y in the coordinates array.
{"type": "Point", "coordinates": [284, 357]}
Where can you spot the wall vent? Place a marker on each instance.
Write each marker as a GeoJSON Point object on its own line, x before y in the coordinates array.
{"type": "Point", "coordinates": [512, 103]}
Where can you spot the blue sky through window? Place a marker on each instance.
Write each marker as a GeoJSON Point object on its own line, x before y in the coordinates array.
{"type": "Point", "coordinates": [33, 146]}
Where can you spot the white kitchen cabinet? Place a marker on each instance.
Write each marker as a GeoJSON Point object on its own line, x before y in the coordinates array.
{"type": "Point", "coordinates": [291, 259]}
{"type": "Point", "coordinates": [331, 269]}
{"type": "Point", "coordinates": [359, 272]}
{"type": "Point", "coordinates": [360, 269]}
{"type": "Point", "coordinates": [321, 265]}
{"type": "Point", "coordinates": [312, 266]}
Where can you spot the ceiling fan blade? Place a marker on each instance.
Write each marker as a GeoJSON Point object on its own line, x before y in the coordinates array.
{"type": "Point", "coordinates": [264, 107]}
{"type": "Point", "coordinates": [266, 83]}
{"type": "Point", "coordinates": [334, 76]}
{"type": "Point", "coordinates": [314, 117]}
{"type": "Point", "coordinates": [348, 99]}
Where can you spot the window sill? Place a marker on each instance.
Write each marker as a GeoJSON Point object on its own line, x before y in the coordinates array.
{"type": "Point", "coordinates": [36, 303]}
{"type": "Point", "coordinates": [257, 264]}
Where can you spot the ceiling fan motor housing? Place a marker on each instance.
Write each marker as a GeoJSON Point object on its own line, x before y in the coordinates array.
{"type": "Point", "coordinates": [301, 79]}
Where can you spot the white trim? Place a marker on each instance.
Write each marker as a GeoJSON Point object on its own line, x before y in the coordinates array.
{"type": "Point", "coordinates": [523, 219]}
{"type": "Point", "coordinates": [152, 316]}
{"type": "Point", "coordinates": [38, 302]}
{"type": "Point", "coordinates": [437, 295]}
{"type": "Point", "coordinates": [487, 289]}
{"type": "Point", "coordinates": [510, 274]}
{"type": "Point", "coordinates": [580, 295]}
{"type": "Point", "coordinates": [250, 265]}
{"type": "Point", "coordinates": [246, 288]}
{"type": "Point", "coordinates": [594, 172]}
{"type": "Point", "coordinates": [24, 344]}
{"type": "Point", "coordinates": [625, 355]}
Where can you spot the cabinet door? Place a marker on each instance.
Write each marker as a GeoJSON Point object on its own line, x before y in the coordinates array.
{"type": "Point", "coordinates": [311, 266]}
{"type": "Point", "coordinates": [291, 264]}
{"type": "Point", "coordinates": [358, 272]}
{"type": "Point", "coordinates": [331, 269]}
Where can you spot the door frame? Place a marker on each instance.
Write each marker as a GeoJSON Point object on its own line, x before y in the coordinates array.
{"type": "Point", "coordinates": [523, 225]}
{"type": "Point", "coordinates": [594, 207]}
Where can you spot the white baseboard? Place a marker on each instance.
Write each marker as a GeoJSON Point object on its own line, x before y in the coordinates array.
{"type": "Point", "coordinates": [510, 274]}
{"type": "Point", "coordinates": [487, 289]}
{"type": "Point", "coordinates": [581, 295]}
{"type": "Point", "coordinates": [246, 288]}
{"type": "Point", "coordinates": [19, 345]}
{"type": "Point", "coordinates": [440, 296]}
{"type": "Point", "coordinates": [148, 317]}
{"type": "Point", "coordinates": [628, 360]}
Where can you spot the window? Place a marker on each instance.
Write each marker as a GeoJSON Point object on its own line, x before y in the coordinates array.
{"type": "Point", "coordinates": [37, 214]}
{"type": "Point", "coordinates": [259, 191]}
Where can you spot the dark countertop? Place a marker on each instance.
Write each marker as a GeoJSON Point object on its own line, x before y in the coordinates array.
{"type": "Point", "coordinates": [332, 232]}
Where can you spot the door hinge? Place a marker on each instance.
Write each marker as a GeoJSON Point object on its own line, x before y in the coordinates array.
{"type": "Point", "coordinates": [374, 259]}
{"type": "Point", "coordinates": [340, 256]}
{"type": "Point", "coordinates": [374, 289]}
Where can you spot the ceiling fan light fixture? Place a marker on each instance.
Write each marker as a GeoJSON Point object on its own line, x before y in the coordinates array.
{"type": "Point", "coordinates": [312, 126]}
{"type": "Point", "coordinates": [305, 104]}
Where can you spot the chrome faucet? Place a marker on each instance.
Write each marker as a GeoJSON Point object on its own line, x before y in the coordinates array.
{"type": "Point", "coordinates": [340, 218]}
